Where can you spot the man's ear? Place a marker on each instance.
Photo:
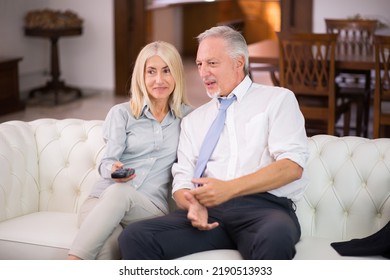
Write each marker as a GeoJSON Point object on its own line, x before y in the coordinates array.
{"type": "Point", "coordinates": [240, 62]}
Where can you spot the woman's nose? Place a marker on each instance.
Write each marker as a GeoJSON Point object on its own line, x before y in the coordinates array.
{"type": "Point", "coordinates": [159, 77]}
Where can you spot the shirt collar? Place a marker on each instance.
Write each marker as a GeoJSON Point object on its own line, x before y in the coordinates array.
{"type": "Point", "coordinates": [146, 113]}
{"type": "Point", "coordinates": [242, 88]}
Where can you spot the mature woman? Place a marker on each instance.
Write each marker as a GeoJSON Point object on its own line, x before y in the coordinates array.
{"type": "Point", "coordinates": [141, 134]}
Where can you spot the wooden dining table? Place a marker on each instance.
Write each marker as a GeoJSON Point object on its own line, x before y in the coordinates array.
{"type": "Point", "coordinates": [264, 56]}
{"type": "Point", "coordinates": [266, 53]}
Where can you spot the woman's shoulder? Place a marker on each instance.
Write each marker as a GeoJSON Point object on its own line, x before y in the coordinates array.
{"type": "Point", "coordinates": [120, 110]}
{"type": "Point", "coordinates": [186, 109]}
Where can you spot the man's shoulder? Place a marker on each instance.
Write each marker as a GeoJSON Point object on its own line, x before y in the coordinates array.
{"type": "Point", "coordinates": [269, 92]}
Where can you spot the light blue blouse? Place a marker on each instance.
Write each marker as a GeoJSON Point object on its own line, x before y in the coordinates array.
{"type": "Point", "coordinates": [148, 146]}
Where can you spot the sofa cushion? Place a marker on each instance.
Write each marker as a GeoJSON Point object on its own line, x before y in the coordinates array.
{"type": "Point", "coordinates": [316, 248]}
{"type": "Point", "coordinates": [308, 248]}
{"type": "Point", "coordinates": [225, 254]}
{"type": "Point", "coordinates": [40, 235]}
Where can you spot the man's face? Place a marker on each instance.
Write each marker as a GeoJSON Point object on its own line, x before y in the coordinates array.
{"type": "Point", "coordinates": [219, 72]}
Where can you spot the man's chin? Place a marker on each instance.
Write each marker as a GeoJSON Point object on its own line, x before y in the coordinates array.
{"type": "Point", "coordinates": [213, 94]}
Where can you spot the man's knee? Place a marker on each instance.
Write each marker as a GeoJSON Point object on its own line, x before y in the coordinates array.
{"type": "Point", "coordinates": [278, 242]}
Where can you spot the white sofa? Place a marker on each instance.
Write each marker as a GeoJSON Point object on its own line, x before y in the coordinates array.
{"type": "Point", "coordinates": [48, 166]}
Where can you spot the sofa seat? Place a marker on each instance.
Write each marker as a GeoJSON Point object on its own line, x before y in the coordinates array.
{"type": "Point", "coordinates": [316, 248]}
{"type": "Point", "coordinates": [308, 248]}
{"type": "Point", "coordinates": [41, 235]}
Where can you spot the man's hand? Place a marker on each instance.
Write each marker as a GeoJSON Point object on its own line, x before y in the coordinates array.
{"type": "Point", "coordinates": [212, 192]}
{"type": "Point", "coordinates": [198, 214]}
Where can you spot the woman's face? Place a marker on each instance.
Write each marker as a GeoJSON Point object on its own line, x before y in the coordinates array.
{"type": "Point", "coordinates": [158, 79]}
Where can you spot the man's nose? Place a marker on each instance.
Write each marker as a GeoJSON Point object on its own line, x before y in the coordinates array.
{"type": "Point", "coordinates": [203, 70]}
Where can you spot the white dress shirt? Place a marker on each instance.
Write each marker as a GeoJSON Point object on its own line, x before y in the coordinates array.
{"type": "Point", "coordinates": [263, 125]}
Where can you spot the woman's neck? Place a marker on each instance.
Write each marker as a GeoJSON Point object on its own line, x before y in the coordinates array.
{"type": "Point", "coordinates": [159, 111]}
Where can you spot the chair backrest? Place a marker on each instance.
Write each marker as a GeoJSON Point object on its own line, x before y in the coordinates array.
{"type": "Point", "coordinates": [355, 36]}
{"type": "Point", "coordinates": [382, 83]}
{"type": "Point", "coordinates": [307, 67]}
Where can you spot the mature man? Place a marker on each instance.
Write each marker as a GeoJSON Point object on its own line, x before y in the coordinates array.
{"type": "Point", "coordinates": [242, 197]}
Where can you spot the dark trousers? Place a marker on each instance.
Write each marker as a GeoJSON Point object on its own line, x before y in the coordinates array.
{"type": "Point", "coordinates": [260, 226]}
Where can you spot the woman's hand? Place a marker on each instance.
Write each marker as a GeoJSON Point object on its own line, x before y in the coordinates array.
{"type": "Point", "coordinates": [119, 165]}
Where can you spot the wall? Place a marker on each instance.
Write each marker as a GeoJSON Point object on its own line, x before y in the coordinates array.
{"type": "Point", "coordinates": [165, 25]}
{"type": "Point", "coordinates": [88, 61]}
{"type": "Point", "coordinates": [375, 9]}
{"type": "Point", "coordinates": [14, 43]}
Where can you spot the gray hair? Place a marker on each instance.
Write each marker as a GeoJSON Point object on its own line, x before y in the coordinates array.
{"type": "Point", "coordinates": [235, 42]}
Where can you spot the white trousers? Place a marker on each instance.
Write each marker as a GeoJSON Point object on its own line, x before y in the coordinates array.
{"type": "Point", "coordinates": [101, 220]}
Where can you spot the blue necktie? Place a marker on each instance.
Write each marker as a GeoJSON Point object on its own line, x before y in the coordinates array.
{"type": "Point", "coordinates": [212, 136]}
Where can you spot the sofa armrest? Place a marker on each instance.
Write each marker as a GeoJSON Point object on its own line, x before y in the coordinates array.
{"type": "Point", "coordinates": [19, 192]}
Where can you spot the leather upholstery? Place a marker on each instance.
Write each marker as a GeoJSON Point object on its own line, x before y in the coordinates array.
{"type": "Point", "coordinates": [49, 166]}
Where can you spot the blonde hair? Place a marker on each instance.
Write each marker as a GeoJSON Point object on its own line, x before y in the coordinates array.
{"type": "Point", "coordinates": [138, 91]}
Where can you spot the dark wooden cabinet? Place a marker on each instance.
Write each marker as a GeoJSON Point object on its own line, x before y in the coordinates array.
{"type": "Point", "coordinates": [297, 15]}
{"type": "Point", "coordinates": [130, 20]}
{"type": "Point", "coordinates": [9, 86]}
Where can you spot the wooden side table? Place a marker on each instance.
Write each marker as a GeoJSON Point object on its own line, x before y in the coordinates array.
{"type": "Point", "coordinates": [9, 85]}
{"type": "Point", "coordinates": [55, 84]}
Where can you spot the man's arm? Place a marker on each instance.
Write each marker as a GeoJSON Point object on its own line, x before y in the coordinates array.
{"type": "Point", "coordinates": [197, 213]}
{"type": "Point", "coordinates": [277, 174]}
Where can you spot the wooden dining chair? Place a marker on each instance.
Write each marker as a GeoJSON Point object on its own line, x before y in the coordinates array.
{"type": "Point", "coordinates": [307, 67]}
{"type": "Point", "coordinates": [355, 39]}
{"type": "Point", "coordinates": [382, 86]}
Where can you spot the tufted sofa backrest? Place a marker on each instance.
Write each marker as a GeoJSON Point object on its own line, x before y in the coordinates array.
{"type": "Point", "coordinates": [47, 164]}
{"type": "Point", "coordinates": [348, 194]}
{"type": "Point", "coordinates": [69, 153]}
{"type": "Point", "coordinates": [19, 180]}
{"type": "Point", "coordinates": [51, 165]}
